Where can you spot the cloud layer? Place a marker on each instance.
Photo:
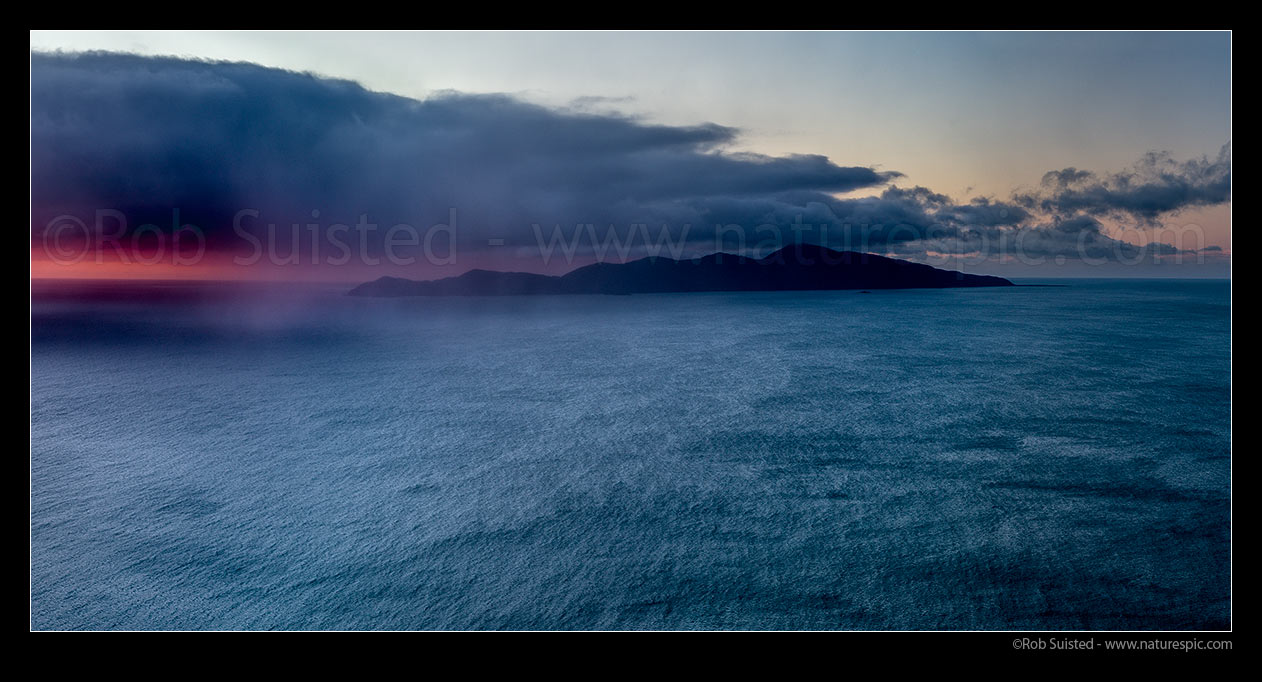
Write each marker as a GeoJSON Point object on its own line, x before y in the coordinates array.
{"type": "Point", "coordinates": [145, 136]}
{"type": "Point", "coordinates": [1158, 184]}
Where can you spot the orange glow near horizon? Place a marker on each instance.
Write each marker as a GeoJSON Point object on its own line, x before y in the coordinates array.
{"type": "Point", "coordinates": [221, 267]}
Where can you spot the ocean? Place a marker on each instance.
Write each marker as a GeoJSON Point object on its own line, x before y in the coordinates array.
{"type": "Point", "coordinates": [291, 458]}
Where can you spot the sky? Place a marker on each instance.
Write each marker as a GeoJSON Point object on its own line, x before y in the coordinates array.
{"type": "Point", "coordinates": [1091, 153]}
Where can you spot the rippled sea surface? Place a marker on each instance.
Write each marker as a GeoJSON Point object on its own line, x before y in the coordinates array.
{"type": "Point", "coordinates": [1029, 457]}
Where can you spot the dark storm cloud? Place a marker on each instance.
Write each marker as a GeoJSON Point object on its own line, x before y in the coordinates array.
{"type": "Point", "coordinates": [147, 135]}
{"type": "Point", "coordinates": [1158, 184]}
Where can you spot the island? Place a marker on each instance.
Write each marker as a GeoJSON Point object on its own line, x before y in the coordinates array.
{"type": "Point", "coordinates": [801, 267]}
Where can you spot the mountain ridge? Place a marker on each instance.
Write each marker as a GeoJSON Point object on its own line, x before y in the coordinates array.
{"type": "Point", "coordinates": [802, 267]}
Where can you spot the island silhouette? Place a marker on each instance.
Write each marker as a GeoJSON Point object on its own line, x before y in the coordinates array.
{"type": "Point", "coordinates": [801, 267]}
